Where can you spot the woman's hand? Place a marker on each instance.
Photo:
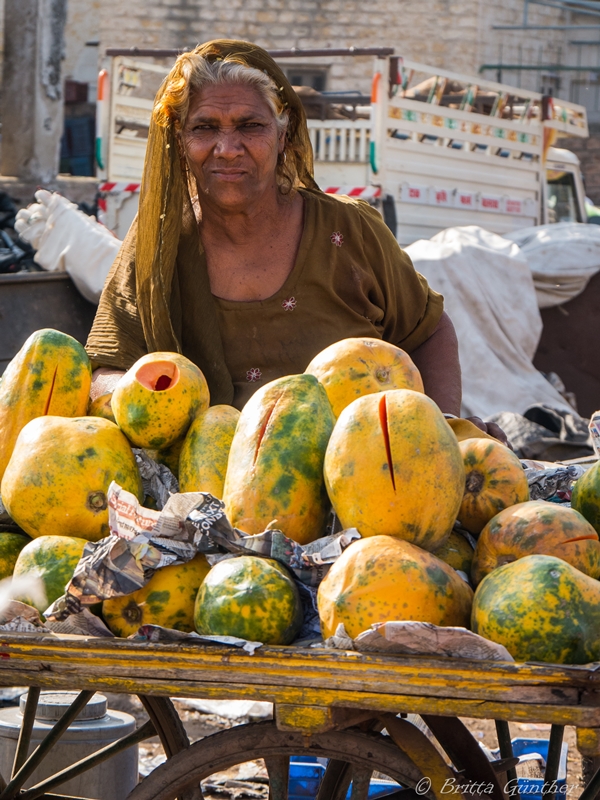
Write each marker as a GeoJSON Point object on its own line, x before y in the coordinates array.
{"type": "Point", "coordinates": [491, 428]}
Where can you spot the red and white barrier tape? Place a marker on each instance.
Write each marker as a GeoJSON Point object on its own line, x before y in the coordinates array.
{"type": "Point", "coordinates": [117, 187]}
{"type": "Point", "coordinates": [362, 192]}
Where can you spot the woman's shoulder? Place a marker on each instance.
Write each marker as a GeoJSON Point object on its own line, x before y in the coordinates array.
{"type": "Point", "coordinates": [354, 219]}
{"type": "Point", "coordinates": [341, 206]}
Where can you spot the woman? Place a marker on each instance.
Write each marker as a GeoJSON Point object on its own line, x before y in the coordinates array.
{"type": "Point", "coordinates": [238, 260]}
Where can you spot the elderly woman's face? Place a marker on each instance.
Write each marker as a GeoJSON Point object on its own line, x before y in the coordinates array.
{"type": "Point", "coordinates": [231, 142]}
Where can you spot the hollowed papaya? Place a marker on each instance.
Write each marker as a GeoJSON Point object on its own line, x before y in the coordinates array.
{"type": "Point", "coordinates": [155, 402]}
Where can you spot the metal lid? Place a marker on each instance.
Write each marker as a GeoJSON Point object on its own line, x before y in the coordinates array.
{"type": "Point", "coordinates": [52, 705]}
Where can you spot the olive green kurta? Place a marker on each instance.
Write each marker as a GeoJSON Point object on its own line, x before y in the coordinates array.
{"type": "Point", "coordinates": [350, 279]}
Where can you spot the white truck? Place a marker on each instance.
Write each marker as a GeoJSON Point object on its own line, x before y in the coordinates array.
{"type": "Point", "coordinates": [431, 149]}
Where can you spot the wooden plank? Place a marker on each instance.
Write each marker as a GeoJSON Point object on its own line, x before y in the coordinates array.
{"type": "Point", "coordinates": [281, 670]}
{"type": "Point", "coordinates": [587, 716]}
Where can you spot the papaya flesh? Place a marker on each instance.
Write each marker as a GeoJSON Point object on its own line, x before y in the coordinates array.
{"type": "Point", "coordinates": [155, 402]}
{"type": "Point", "coordinates": [541, 609]}
{"type": "Point", "coordinates": [275, 468]}
{"type": "Point", "coordinates": [385, 579]}
{"type": "Point", "coordinates": [494, 480]}
{"type": "Point", "coordinates": [167, 599]}
{"type": "Point", "coordinates": [57, 480]}
{"type": "Point", "coordinates": [536, 527]}
{"type": "Point", "coordinates": [585, 497]}
{"type": "Point", "coordinates": [393, 467]}
{"type": "Point", "coordinates": [354, 367]}
{"type": "Point", "coordinates": [51, 374]}
{"type": "Point", "coordinates": [205, 452]}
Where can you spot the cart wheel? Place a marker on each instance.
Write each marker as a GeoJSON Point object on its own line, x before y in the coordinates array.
{"type": "Point", "coordinates": [164, 722]}
{"type": "Point", "coordinates": [405, 755]}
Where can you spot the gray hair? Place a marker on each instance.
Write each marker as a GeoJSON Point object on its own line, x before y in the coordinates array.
{"type": "Point", "coordinates": [219, 73]}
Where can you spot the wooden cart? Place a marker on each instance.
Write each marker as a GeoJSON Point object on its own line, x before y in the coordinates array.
{"type": "Point", "coordinates": [345, 706]}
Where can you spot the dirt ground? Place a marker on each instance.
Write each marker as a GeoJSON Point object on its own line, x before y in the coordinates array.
{"type": "Point", "coordinates": [231, 784]}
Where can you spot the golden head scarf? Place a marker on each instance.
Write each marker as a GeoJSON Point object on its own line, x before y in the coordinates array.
{"type": "Point", "coordinates": [166, 229]}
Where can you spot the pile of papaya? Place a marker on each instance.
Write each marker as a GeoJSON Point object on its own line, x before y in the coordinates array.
{"type": "Point", "coordinates": [448, 532]}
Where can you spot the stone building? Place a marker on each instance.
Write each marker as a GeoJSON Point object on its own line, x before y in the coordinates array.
{"type": "Point", "coordinates": [551, 47]}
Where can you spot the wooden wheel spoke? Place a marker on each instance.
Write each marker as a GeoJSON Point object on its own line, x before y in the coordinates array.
{"type": "Point", "coordinates": [361, 780]}
{"type": "Point", "coordinates": [31, 704]}
{"type": "Point", "coordinates": [336, 781]}
{"type": "Point", "coordinates": [464, 752]}
{"type": "Point", "coordinates": [44, 747]}
{"type": "Point", "coordinates": [278, 768]}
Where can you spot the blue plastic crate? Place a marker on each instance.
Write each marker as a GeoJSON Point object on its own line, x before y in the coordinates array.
{"type": "Point", "coordinates": [532, 788]}
{"type": "Point", "coordinates": [306, 773]}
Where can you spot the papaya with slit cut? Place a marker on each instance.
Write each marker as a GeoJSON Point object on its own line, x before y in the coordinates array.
{"type": "Point", "coordinates": [536, 528]}
{"type": "Point", "coordinates": [275, 468]}
{"type": "Point", "coordinates": [393, 467]}
{"type": "Point", "coordinates": [354, 367]}
{"type": "Point", "coordinates": [156, 400]}
{"type": "Point", "coordinates": [51, 374]}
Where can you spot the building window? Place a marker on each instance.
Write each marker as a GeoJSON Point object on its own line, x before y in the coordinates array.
{"type": "Point", "coordinates": [315, 78]}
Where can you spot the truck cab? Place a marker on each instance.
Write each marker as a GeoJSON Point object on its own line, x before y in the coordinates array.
{"type": "Point", "coordinates": [565, 194]}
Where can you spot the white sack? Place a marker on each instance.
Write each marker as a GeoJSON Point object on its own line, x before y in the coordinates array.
{"type": "Point", "coordinates": [489, 295]}
{"type": "Point", "coordinates": [68, 240]}
{"type": "Point", "coordinates": [562, 258]}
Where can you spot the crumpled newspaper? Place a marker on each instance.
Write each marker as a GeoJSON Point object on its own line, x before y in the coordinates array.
{"type": "Point", "coordinates": [553, 483]}
{"type": "Point", "coordinates": [594, 427]}
{"type": "Point", "coordinates": [157, 479]}
{"type": "Point", "coordinates": [406, 637]}
{"type": "Point", "coordinates": [19, 617]}
{"type": "Point", "coordinates": [143, 540]}
{"type": "Point", "coordinates": [156, 633]}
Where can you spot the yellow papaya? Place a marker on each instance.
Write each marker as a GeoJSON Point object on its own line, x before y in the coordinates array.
{"type": "Point", "coordinates": [494, 480]}
{"type": "Point", "coordinates": [168, 456]}
{"type": "Point", "coordinates": [51, 374]}
{"type": "Point", "coordinates": [536, 527]}
{"type": "Point", "coordinates": [167, 599]}
{"type": "Point", "coordinates": [275, 468]}
{"type": "Point", "coordinates": [101, 407]}
{"type": "Point", "coordinates": [354, 367]}
{"type": "Point", "coordinates": [393, 467]}
{"type": "Point", "coordinates": [52, 560]}
{"type": "Point", "coordinates": [457, 552]}
{"type": "Point", "coordinates": [57, 480]}
{"type": "Point", "coordinates": [541, 609]}
{"type": "Point", "coordinates": [205, 451]}
{"type": "Point", "coordinates": [155, 402]}
{"type": "Point", "coordinates": [385, 579]}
